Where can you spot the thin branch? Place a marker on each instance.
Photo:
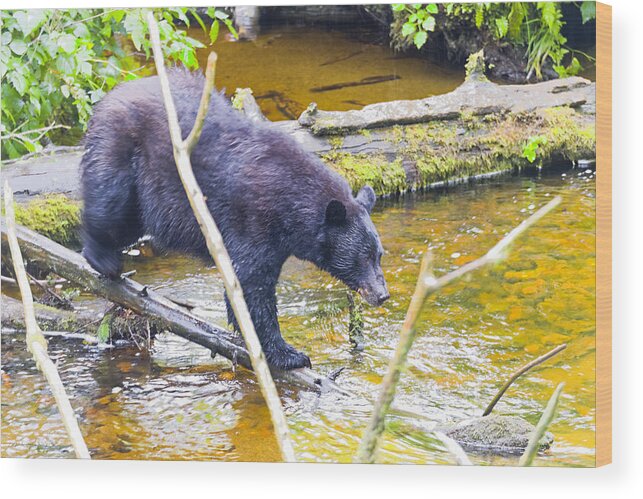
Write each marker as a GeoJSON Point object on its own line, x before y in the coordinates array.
{"type": "Point", "coordinates": [13, 282]}
{"type": "Point", "coordinates": [208, 88]}
{"type": "Point", "coordinates": [36, 342]}
{"type": "Point", "coordinates": [426, 285]}
{"type": "Point", "coordinates": [519, 373]}
{"type": "Point", "coordinates": [215, 244]}
{"type": "Point", "coordinates": [545, 420]}
{"type": "Point", "coordinates": [23, 135]}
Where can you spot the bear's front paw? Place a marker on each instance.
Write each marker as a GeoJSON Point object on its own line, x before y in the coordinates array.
{"type": "Point", "coordinates": [287, 358]}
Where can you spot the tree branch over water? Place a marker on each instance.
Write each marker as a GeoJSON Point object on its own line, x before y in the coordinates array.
{"type": "Point", "coordinates": [428, 284]}
{"type": "Point", "coordinates": [213, 237]}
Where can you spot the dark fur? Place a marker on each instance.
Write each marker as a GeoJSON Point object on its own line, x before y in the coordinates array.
{"type": "Point", "coordinates": [269, 198]}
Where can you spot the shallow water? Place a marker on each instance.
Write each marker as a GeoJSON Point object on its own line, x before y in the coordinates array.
{"type": "Point", "coordinates": [284, 66]}
{"type": "Point", "coordinates": [178, 403]}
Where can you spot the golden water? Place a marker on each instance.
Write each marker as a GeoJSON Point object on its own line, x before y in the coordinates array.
{"type": "Point", "coordinates": [292, 61]}
{"type": "Point", "coordinates": [178, 403]}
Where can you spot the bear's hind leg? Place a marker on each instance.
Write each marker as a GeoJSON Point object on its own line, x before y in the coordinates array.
{"type": "Point", "coordinates": [111, 218]}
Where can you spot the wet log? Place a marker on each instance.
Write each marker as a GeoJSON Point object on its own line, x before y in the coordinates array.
{"type": "Point", "coordinates": [49, 318]}
{"type": "Point", "coordinates": [476, 96]}
{"type": "Point", "coordinates": [286, 106]}
{"type": "Point", "coordinates": [142, 300]}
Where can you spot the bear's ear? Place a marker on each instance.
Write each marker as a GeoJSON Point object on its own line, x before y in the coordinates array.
{"type": "Point", "coordinates": [366, 197]}
{"type": "Point", "coordinates": [335, 213]}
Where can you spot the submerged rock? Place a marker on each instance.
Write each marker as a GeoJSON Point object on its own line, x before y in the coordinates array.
{"type": "Point", "coordinates": [495, 433]}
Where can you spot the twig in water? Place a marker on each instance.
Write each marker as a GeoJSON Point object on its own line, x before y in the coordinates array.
{"type": "Point", "coordinates": [545, 420]}
{"type": "Point", "coordinates": [60, 302]}
{"type": "Point", "coordinates": [36, 342]}
{"type": "Point", "coordinates": [427, 284]}
{"type": "Point", "coordinates": [213, 238]}
{"type": "Point", "coordinates": [519, 373]}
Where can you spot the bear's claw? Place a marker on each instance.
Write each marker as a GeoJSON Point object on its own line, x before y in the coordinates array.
{"type": "Point", "coordinates": [287, 358]}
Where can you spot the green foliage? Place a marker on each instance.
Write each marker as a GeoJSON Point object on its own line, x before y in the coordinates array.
{"type": "Point", "coordinates": [55, 64]}
{"type": "Point", "coordinates": [104, 329]}
{"type": "Point", "coordinates": [420, 20]}
{"type": "Point", "coordinates": [537, 26]}
{"type": "Point", "coordinates": [530, 150]}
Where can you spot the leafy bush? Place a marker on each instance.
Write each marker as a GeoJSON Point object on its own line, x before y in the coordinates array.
{"type": "Point", "coordinates": [534, 25]}
{"type": "Point", "coordinates": [54, 64]}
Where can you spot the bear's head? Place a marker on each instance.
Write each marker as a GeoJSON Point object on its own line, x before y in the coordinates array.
{"type": "Point", "coordinates": [351, 247]}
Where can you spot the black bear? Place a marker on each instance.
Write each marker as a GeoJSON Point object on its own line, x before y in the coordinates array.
{"type": "Point", "coordinates": [269, 197]}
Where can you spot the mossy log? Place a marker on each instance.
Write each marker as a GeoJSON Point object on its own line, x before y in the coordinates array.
{"type": "Point", "coordinates": [72, 266]}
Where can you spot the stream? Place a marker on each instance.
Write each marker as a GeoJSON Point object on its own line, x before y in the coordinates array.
{"type": "Point", "coordinates": [177, 403]}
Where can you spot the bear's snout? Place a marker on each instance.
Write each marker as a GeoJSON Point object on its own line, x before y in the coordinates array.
{"type": "Point", "coordinates": [376, 293]}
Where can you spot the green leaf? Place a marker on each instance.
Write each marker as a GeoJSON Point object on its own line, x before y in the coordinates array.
{"type": "Point", "coordinates": [408, 29]}
{"type": "Point", "coordinates": [65, 90]}
{"type": "Point", "coordinates": [398, 7]}
{"type": "Point", "coordinates": [231, 28]}
{"type": "Point", "coordinates": [479, 15]}
{"type": "Point", "coordinates": [18, 80]}
{"type": "Point", "coordinates": [67, 42]}
{"type": "Point", "coordinates": [199, 20]}
{"type": "Point", "coordinates": [18, 47]}
{"type": "Point", "coordinates": [516, 18]}
{"type": "Point", "coordinates": [104, 328]}
{"type": "Point", "coordinates": [429, 24]}
{"type": "Point", "coordinates": [432, 8]}
{"type": "Point", "coordinates": [214, 31]}
{"type": "Point", "coordinates": [420, 39]}
{"type": "Point", "coordinates": [588, 11]}
{"type": "Point", "coordinates": [502, 26]}
{"type": "Point", "coordinates": [29, 20]}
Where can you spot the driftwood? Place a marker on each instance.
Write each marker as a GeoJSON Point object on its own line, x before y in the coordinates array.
{"type": "Point", "coordinates": [427, 284]}
{"type": "Point", "coordinates": [36, 342]}
{"type": "Point", "coordinates": [214, 239]}
{"type": "Point", "coordinates": [66, 263]}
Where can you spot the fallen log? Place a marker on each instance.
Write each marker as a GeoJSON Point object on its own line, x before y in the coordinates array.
{"type": "Point", "coordinates": [142, 300]}
{"type": "Point", "coordinates": [49, 318]}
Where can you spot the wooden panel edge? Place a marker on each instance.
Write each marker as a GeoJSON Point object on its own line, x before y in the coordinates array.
{"type": "Point", "coordinates": [603, 234]}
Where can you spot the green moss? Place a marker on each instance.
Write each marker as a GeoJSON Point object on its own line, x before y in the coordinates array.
{"type": "Point", "coordinates": [386, 177]}
{"type": "Point", "coordinates": [336, 141]}
{"type": "Point", "coordinates": [55, 216]}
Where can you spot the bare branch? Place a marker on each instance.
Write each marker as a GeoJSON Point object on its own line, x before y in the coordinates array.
{"type": "Point", "coordinates": [426, 285]}
{"type": "Point", "coordinates": [545, 420]}
{"type": "Point", "coordinates": [36, 342]}
{"type": "Point", "coordinates": [195, 134]}
{"type": "Point", "coordinates": [218, 251]}
{"type": "Point", "coordinates": [519, 373]}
